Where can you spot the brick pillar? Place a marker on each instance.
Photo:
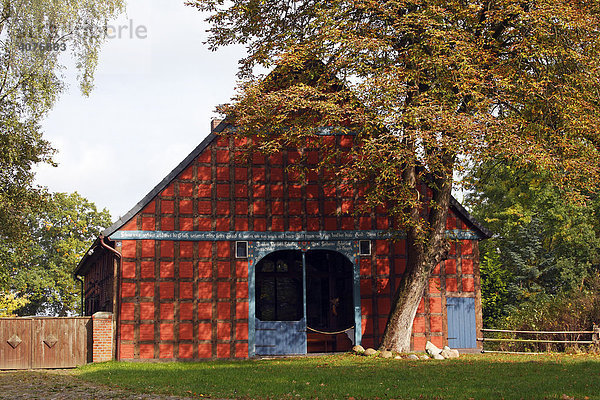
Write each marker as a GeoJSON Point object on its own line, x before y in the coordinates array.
{"type": "Point", "coordinates": [102, 336]}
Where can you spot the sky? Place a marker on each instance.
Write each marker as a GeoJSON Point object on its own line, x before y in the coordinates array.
{"type": "Point", "coordinates": [153, 100]}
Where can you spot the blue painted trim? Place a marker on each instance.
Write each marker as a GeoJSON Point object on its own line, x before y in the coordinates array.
{"type": "Point", "coordinates": [304, 299]}
{"type": "Point", "coordinates": [275, 236]}
{"type": "Point", "coordinates": [258, 249]}
{"type": "Point", "coordinates": [251, 309]}
{"type": "Point", "coordinates": [329, 131]}
{"type": "Point", "coordinates": [459, 234]}
{"type": "Point", "coordinates": [356, 298]}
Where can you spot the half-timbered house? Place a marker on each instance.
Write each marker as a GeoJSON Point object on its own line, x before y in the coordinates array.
{"type": "Point", "coordinates": [230, 259]}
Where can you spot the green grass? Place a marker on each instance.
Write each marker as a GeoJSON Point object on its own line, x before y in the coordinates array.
{"type": "Point", "coordinates": [348, 376]}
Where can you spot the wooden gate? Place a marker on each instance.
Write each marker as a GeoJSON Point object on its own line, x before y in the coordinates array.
{"type": "Point", "coordinates": [45, 342]}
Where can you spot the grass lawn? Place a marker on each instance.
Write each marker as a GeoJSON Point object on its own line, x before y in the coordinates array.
{"type": "Point", "coordinates": [349, 376]}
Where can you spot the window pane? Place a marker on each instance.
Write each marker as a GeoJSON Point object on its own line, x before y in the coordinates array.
{"type": "Point", "coordinates": [289, 299]}
{"type": "Point", "coordinates": [279, 287]}
{"type": "Point", "coordinates": [266, 299]}
{"type": "Point", "coordinates": [268, 266]}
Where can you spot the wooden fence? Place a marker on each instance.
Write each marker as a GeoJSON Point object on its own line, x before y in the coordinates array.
{"type": "Point", "coordinates": [45, 342]}
{"type": "Point", "coordinates": [537, 338]}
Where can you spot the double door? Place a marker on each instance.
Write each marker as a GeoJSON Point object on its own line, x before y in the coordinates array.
{"type": "Point", "coordinates": [296, 292]}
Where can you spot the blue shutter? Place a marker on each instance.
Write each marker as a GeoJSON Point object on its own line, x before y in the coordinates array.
{"type": "Point", "coordinates": [461, 322]}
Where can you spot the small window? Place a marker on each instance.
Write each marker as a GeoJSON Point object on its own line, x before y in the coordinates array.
{"type": "Point", "coordinates": [241, 249]}
{"type": "Point", "coordinates": [364, 247]}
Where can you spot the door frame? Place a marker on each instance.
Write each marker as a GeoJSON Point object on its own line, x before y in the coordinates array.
{"type": "Point", "coordinates": [257, 250]}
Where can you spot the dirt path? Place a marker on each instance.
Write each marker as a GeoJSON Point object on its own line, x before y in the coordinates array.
{"type": "Point", "coordinates": [61, 384]}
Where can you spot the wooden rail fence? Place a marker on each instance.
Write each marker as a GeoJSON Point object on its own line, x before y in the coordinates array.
{"type": "Point", "coordinates": [569, 337]}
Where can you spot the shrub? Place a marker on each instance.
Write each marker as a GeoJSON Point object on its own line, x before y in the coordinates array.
{"type": "Point", "coordinates": [577, 310]}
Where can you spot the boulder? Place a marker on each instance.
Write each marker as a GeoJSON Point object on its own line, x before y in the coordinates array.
{"type": "Point", "coordinates": [445, 353]}
{"type": "Point", "coordinates": [358, 349]}
{"type": "Point", "coordinates": [369, 352]}
{"type": "Point", "coordinates": [386, 354]}
{"type": "Point", "coordinates": [424, 357]}
{"type": "Point", "coordinates": [398, 358]}
{"type": "Point", "coordinates": [413, 357]}
{"type": "Point", "coordinates": [438, 357]}
{"type": "Point", "coordinates": [431, 349]}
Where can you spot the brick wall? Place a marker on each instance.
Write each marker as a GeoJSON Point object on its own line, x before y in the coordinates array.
{"type": "Point", "coordinates": [457, 276]}
{"type": "Point", "coordinates": [102, 323]}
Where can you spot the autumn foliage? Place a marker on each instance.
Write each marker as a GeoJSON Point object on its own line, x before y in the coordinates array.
{"type": "Point", "coordinates": [425, 87]}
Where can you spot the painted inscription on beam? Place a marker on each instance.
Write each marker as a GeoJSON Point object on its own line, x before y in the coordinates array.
{"type": "Point", "coordinates": [250, 235]}
{"type": "Point", "coordinates": [274, 236]}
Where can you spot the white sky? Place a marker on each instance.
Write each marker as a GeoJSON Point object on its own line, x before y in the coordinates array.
{"type": "Point", "coordinates": [151, 106]}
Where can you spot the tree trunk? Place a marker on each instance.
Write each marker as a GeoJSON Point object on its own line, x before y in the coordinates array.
{"type": "Point", "coordinates": [423, 255]}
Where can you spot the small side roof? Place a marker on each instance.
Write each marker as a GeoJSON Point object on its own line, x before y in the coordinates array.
{"type": "Point", "coordinates": [83, 265]}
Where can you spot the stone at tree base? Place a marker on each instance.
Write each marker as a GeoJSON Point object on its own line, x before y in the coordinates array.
{"type": "Point", "coordinates": [386, 354]}
{"type": "Point", "coordinates": [369, 352]}
{"type": "Point", "coordinates": [447, 352]}
{"type": "Point", "coordinates": [413, 357]}
{"type": "Point", "coordinates": [358, 349]}
{"type": "Point", "coordinates": [431, 349]}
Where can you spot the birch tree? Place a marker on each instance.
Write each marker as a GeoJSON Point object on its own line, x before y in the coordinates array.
{"type": "Point", "coordinates": [37, 39]}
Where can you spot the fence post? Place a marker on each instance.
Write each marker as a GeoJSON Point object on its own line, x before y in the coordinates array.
{"type": "Point", "coordinates": [596, 335]}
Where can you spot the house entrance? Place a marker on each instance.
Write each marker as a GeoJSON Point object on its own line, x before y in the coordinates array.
{"type": "Point", "coordinates": [329, 302]}
{"type": "Point", "coordinates": [302, 301]}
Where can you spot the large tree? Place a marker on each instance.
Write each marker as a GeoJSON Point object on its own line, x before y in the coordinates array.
{"type": "Point", "coordinates": [38, 271]}
{"type": "Point", "coordinates": [425, 87]}
{"type": "Point", "coordinates": [34, 36]}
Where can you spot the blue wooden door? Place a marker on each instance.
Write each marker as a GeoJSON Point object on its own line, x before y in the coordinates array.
{"type": "Point", "coordinates": [280, 337]}
{"type": "Point", "coordinates": [280, 322]}
{"type": "Point", "coordinates": [461, 322]}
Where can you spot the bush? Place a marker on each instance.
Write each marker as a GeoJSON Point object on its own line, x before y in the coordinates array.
{"type": "Point", "coordinates": [577, 310]}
